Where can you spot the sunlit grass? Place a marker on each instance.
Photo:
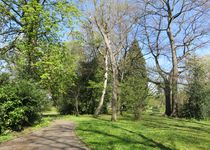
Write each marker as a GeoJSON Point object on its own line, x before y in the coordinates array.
{"type": "Point", "coordinates": [151, 132]}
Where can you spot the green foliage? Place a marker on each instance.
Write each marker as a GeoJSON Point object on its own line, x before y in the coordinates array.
{"type": "Point", "coordinates": [57, 71]}
{"type": "Point", "coordinates": [134, 89]}
{"type": "Point", "coordinates": [90, 80]}
{"type": "Point", "coordinates": [206, 108]}
{"type": "Point", "coordinates": [196, 92]}
{"type": "Point", "coordinates": [87, 87]}
{"type": "Point", "coordinates": [40, 24]}
{"type": "Point", "coordinates": [20, 103]}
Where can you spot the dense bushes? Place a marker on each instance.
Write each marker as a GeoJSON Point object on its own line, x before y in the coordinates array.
{"type": "Point", "coordinates": [197, 92]}
{"type": "Point", "coordinates": [20, 104]}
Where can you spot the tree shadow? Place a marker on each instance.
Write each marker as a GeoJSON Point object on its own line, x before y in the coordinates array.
{"type": "Point", "coordinates": [176, 126]}
{"type": "Point", "coordinates": [147, 141]}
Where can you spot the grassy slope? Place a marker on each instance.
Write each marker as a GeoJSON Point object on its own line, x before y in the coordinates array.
{"type": "Point", "coordinates": [152, 132]}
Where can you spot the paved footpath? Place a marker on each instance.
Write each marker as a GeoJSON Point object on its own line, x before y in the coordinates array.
{"type": "Point", "coordinates": [59, 136]}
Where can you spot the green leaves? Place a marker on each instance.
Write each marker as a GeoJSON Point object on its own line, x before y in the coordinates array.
{"type": "Point", "coordinates": [134, 88]}
{"type": "Point", "coordinates": [57, 70]}
{"type": "Point", "coordinates": [20, 104]}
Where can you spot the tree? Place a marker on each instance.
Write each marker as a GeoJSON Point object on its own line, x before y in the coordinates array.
{"type": "Point", "coordinates": [114, 21]}
{"type": "Point", "coordinates": [57, 70]}
{"type": "Point", "coordinates": [173, 30]}
{"type": "Point", "coordinates": [196, 91]}
{"type": "Point", "coordinates": [106, 66]}
{"type": "Point", "coordinates": [95, 46]}
{"type": "Point", "coordinates": [29, 26]}
{"type": "Point", "coordinates": [134, 86]}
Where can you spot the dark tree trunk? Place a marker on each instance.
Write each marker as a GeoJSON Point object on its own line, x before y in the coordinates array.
{"type": "Point", "coordinates": [114, 94]}
{"type": "Point", "coordinates": [167, 93]}
{"type": "Point", "coordinates": [77, 103]}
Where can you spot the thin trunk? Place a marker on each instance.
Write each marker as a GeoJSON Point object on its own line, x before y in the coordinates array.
{"type": "Point", "coordinates": [77, 103]}
{"type": "Point", "coordinates": [174, 82]}
{"type": "Point", "coordinates": [120, 111]}
{"type": "Point", "coordinates": [104, 86]}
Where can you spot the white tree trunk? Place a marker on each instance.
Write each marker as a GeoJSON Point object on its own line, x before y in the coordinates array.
{"type": "Point", "coordinates": [104, 86]}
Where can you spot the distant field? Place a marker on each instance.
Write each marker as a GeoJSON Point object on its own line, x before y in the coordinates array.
{"type": "Point", "coordinates": [152, 132]}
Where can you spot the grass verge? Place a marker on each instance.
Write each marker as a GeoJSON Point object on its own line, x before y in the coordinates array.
{"type": "Point", "coordinates": [11, 134]}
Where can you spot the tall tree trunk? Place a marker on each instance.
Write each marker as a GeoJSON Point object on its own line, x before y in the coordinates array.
{"type": "Point", "coordinates": [167, 93]}
{"type": "Point", "coordinates": [77, 102]}
{"type": "Point", "coordinates": [114, 68]}
{"type": "Point", "coordinates": [114, 94]}
{"type": "Point", "coordinates": [174, 73]}
{"type": "Point", "coordinates": [104, 86]}
{"type": "Point", "coordinates": [119, 103]}
{"type": "Point", "coordinates": [114, 77]}
{"type": "Point", "coordinates": [174, 92]}
{"type": "Point", "coordinates": [114, 87]}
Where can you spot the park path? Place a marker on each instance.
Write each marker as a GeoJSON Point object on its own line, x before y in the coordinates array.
{"type": "Point", "coordinates": [59, 136]}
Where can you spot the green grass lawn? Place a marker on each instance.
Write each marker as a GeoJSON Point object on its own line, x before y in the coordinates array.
{"type": "Point", "coordinates": [151, 132]}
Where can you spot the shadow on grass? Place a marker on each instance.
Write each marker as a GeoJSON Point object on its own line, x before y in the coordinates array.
{"type": "Point", "coordinates": [160, 123]}
{"type": "Point", "coordinates": [124, 140]}
{"type": "Point", "coordinates": [176, 126]}
{"type": "Point", "coordinates": [179, 120]}
{"type": "Point", "coordinates": [148, 142]}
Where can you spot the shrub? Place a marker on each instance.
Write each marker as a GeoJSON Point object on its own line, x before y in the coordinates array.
{"type": "Point", "coordinates": [20, 103]}
{"type": "Point", "coordinates": [66, 106]}
{"type": "Point", "coordinates": [196, 92]}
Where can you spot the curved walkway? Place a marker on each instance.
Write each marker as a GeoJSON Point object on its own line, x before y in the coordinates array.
{"type": "Point", "coordinates": [59, 136]}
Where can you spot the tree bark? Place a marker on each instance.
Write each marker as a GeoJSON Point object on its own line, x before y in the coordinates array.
{"type": "Point", "coordinates": [77, 103]}
{"type": "Point", "coordinates": [174, 73]}
{"type": "Point", "coordinates": [104, 86]}
{"type": "Point", "coordinates": [167, 93]}
{"type": "Point", "coordinates": [114, 94]}
{"type": "Point", "coordinates": [114, 76]}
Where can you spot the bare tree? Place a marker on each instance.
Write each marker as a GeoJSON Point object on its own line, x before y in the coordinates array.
{"type": "Point", "coordinates": [106, 66]}
{"type": "Point", "coordinates": [114, 21]}
{"type": "Point", "coordinates": [173, 29]}
{"type": "Point", "coordinates": [95, 46]}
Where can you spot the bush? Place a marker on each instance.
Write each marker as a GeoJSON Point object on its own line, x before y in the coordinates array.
{"type": "Point", "coordinates": [196, 92]}
{"type": "Point", "coordinates": [20, 103]}
{"type": "Point", "coordinates": [66, 107]}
